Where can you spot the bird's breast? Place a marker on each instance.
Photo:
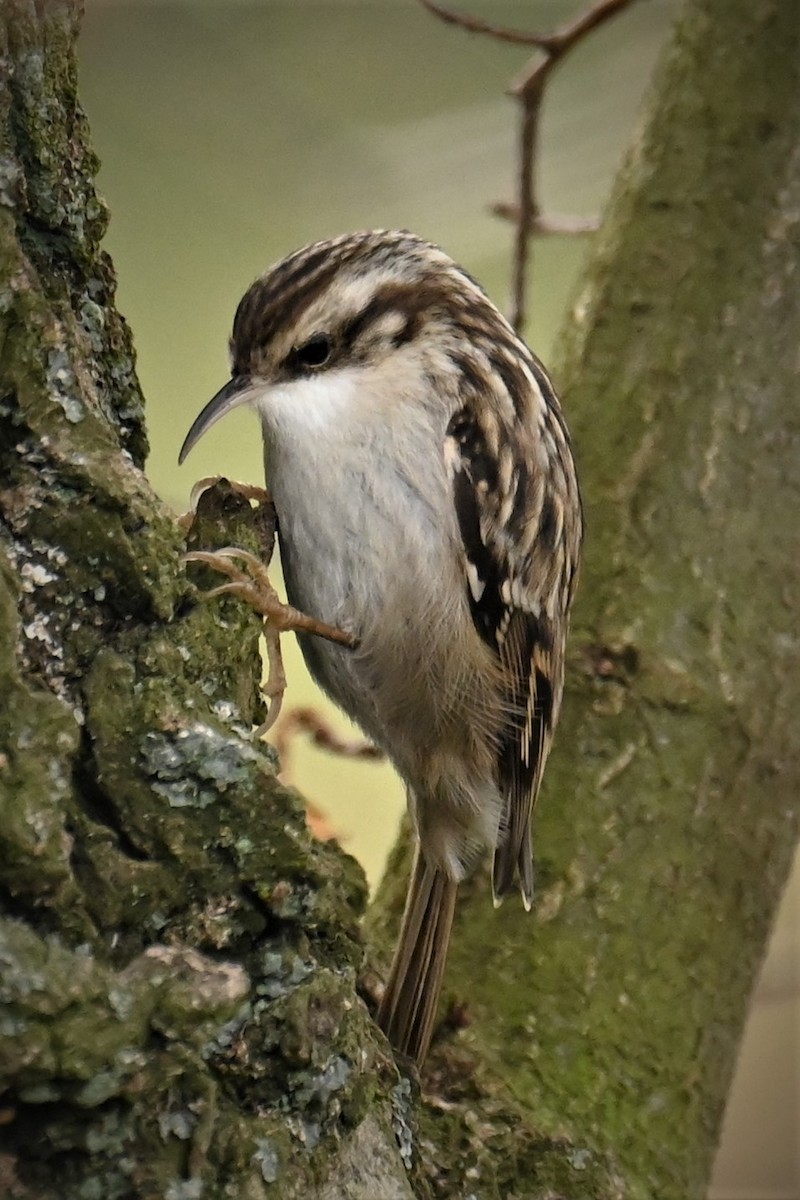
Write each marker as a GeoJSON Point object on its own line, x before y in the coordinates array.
{"type": "Point", "coordinates": [357, 529]}
{"type": "Point", "coordinates": [369, 543]}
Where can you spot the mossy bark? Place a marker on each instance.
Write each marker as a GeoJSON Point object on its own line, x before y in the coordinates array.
{"type": "Point", "coordinates": [178, 959]}
{"type": "Point", "coordinates": [177, 956]}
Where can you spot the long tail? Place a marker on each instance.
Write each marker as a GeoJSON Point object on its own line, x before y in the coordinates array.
{"type": "Point", "coordinates": [408, 1009]}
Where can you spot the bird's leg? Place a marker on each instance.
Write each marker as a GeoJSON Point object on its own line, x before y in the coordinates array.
{"type": "Point", "coordinates": [257, 591]}
{"type": "Point", "coordinates": [255, 588]}
{"type": "Point", "coordinates": [274, 688]}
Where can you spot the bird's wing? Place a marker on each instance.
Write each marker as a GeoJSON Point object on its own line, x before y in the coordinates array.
{"type": "Point", "coordinates": [519, 515]}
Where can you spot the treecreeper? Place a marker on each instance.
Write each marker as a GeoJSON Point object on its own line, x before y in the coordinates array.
{"type": "Point", "coordinates": [430, 525]}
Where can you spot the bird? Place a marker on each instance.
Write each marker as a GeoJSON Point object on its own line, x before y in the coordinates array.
{"type": "Point", "coordinates": [428, 508]}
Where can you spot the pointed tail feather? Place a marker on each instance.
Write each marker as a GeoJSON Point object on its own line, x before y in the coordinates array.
{"type": "Point", "coordinates": [513, 864]}
{"type": "Point", "coordinates": [525, 868]}
{"type": "Point", "coordinates": [408, 1009]}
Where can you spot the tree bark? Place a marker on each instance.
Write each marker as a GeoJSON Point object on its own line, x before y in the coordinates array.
{"type": "Point", "coordinates": [177, 955]}
{"type": "Point", "coordinates": [178, 958]}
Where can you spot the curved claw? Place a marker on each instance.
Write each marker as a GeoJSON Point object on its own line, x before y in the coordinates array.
{"type": "Point", "coordinates": [256, 590]}
{"type": "Point", "coordinates": [276, 681]}
{"type": "Point", "coordinates": [249, 491]}
{"type": "Point", "coordinates": [259, 593]}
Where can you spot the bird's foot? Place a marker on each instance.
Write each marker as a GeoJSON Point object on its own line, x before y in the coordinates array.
{"type": "Point", "coordinates": [253, 585]}
{"type": "Point", "coordinates": [256, 590]}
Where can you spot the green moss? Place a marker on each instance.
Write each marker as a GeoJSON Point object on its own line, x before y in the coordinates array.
{"type": "Point", "coordinates": [470, 1138]}
{"type": "Point", "coordinates": [61, 218]}
{"type": "Point", "coordinates": [174, 917]}
{"type": "Point", "coordinates": [668, 816]}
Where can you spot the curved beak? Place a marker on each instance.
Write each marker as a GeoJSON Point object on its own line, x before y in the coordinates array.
{"type": "Point", "coordinates": [235, 392]}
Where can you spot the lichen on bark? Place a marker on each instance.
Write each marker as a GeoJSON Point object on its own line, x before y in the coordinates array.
{"type": "Point", "coordinates": [179, 956]}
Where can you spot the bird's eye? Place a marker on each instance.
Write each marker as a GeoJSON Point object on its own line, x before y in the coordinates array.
{"type": "Point", "coordinates": [315, 352]}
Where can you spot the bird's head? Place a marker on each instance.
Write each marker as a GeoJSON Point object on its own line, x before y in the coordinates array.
{"type": "Point", "coordinates": [379, 304]}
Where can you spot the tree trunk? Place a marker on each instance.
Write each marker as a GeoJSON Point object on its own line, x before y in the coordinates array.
{"type": "Point", "coordinates": [177, 956]}
{"type": "Point", "coordinates": [178, 959]}
{"type": "Point", "coordinates": [669, 815]}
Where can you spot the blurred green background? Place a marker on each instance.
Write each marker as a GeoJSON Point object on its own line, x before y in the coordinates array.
{"type": "Point", "coordinates": [230, 133]}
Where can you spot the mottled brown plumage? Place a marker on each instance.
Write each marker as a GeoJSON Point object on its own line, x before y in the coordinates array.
{"type": "Point", "coordinates": [427, 505]}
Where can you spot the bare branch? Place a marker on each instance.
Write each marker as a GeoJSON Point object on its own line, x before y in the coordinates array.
{"type": "Point", "coordinates": [548, 224]}
{"type": "Point", "coordinates": [516, 37]}
{"type": "Point", "coordinates": [528, 88]}
{"type": "Point", "coordinates": [566, 37]}
{"type": "Point", "coordinates": [528, 200]}
{"type": "Point", "coordinates": [322, 734]}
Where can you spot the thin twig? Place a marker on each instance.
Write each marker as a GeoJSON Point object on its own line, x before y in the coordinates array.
{"type": "Point", "coordinates": [548, 224]}
{"type": "Point", "coordinates": [308, 720]}
{"type": "Point", "coordinates": [323, 735]}
{"type": "Point", "coordinates": [566, 37]}
{"type": "Point", "coordinates": [528, 200]}
{"type": "Point", "coordinates": [528, 88]}
{"type": "Point", "coordinates": [516, 37]}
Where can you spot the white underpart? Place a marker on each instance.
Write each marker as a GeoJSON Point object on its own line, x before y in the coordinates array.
{"type": "Point", "coordinates": [360, 489]}
{"type": "Point", "coordinates": [354, 460]}
{"type": "Point", "coordinates": [358, 483]}
{"type": "Point", "coordinates": [315, 405]}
